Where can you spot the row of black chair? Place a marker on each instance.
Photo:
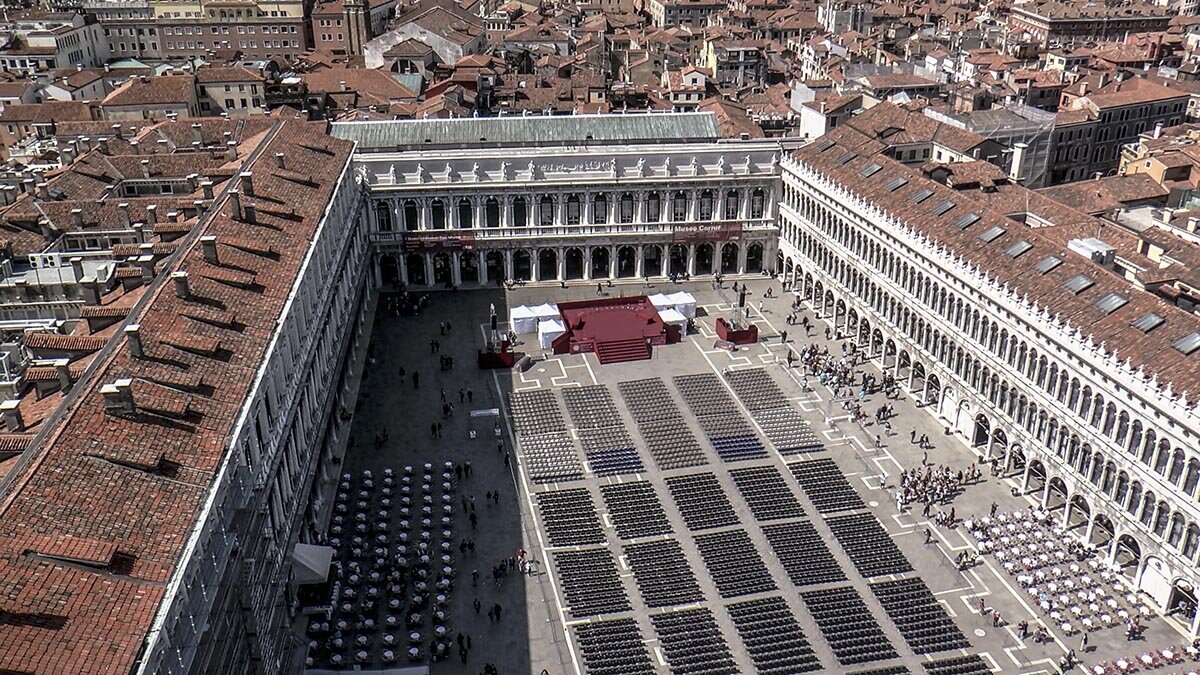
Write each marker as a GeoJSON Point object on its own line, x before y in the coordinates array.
{"type": "Point", "coordinates": [550, 458]}
{"type": "Point", "coordinates": [787, 430]}
{"type": "Point", "coordinates": [536, 412]}
{"type": "Point", "coordinates": [590, 582]}
{"type": "Point", "coordinates": [635, 510]}
{"type": "Point", "coordinates": [610, 451]}
{"type": "Point", "coordinates": [648, 400]}
{"type": "Point", "coordinates": [692, 642]}
{"type": "Point", "coordinates": [848, 627]}
{"type": "Point", "coordinates": [613, 647]}
{"type": "Point", "coordinates": [958, 665]}
{"type": "Point", "coordinates": [662, 573]}
{"type": "Point", "coordinates": [734, 564]}
{"type": "Point", "coordinates": [732, 437]}
{"type": "Point", "coordinates": [668, 437]}
{"type": "Point", "coordinates": [569, 517]}
{"type": "Point", "coordinates": [766, 493]}
{"type": "Point", "coordinates": [705, 394]}
{"type": "Point", "coordinates": [755, 389]}
{"type": "Point", "coordinates": [803, 554]}
{"type": "Point", "coordinates": [826, 485]}
{"type": "Point", "coordinates": [921, 619]}
{"type": "Point", "coordinates": [591, 407]}
{"type": "Point", "coordinates": [886, 670]}
{"type": "Point", "coordinates": [872, 551]}
{"type": "Point", "coordinates": [701, 501]}
{"type": "Point", "coordinates": [772, 637]}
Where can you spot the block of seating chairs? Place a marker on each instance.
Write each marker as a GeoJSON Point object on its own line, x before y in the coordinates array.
{"type": "Point", "coordinates": [591, 407]}
{"type": "Point", "coordinates": [590, 582]}
{"type": "Point", "coordinates": [570, 517]}
{"type": "Point", "coordinates": [958, 665]}
{"type": "Point", "coordinates": [672, 444]}
{"type": "Point", "coordinates": [886, 670]}
{"type": "Point", "coordinates": [872, 551]}
{"type": "Point", "coordinates": [705, 394]}
{"type": "Point", "coordinates": [635, 510]}
{"type": "Point", "coordinates": [648, 400]}
{"type": "Point", "coordinates": [734, 564]}
{"type": "Point", "coordinates": [610, 451]}
{"type": "Point", "coordinates": [921, 619]}
{"type": "Point", "coordinates": [701, 501]}
{"type": "Point", "coordinates": [766, 493]}
{"type": "Point", "coordinates": [787, 430]}
{"type": "Point", "coordinates": [773, 638]}
{"type": "Point", "coordinates": [848, 627]}
{"type": "Point", "coordinates": [732, 437]}
{"type": "Point", "coordinates": [613, 647]}
{"type": "Point", "coordinates": [535, 412]}
{"type": "Point", "coordinates": [662, 573]}
{"type": "Point", "coordinates": [692, 642]}
{"type": "Point", "coordinates": [826, 486]}
{"type": "Point", "coordinates": [803, 554]}
{"type": "Point", "coordinates": [755, 389]}
{"type": "Point", "coordinates": [550, 458]}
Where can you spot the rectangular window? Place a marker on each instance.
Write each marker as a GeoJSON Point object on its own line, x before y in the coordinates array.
{"type": "Point", "coordinates": [1111, 302]}
{"type": "Point", "coordinates": [922, 195]}
{"type": "Point", "coordinates": [992, 233]}
{"type": "Point", "coordinates": [1078, 283]}
{"type": "Point", "coordinates": [943, 208]}
{"type": "Point", "coordinates": [1018, 249]}
{"type": "Point", "coordinates": [1047, 264]}
{"type": "Point", "coordinates": [1148, 322]}
{"type": "Point", "coordinates": [1188, 343]}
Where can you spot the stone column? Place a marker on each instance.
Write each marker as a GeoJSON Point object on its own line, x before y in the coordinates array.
{"type": "Point", "coordinates": [506, 216]}
{"type": "Point", "coordinates": [456, 268]}
{"type": "Point", "coordinates": [480, 209]}
{"type": "Point", "coordinates": [612, 262]}
{"type": "Point", "coordinates": [535, 267]}
{"type": "Point", "coordinates": [452, 214]}
{"type": "Point", "coordinates": [719, 205]}
{"type": "Point", "coordinates": [428, 269]}
{"type": "Point", "coordinates": [741, 259]}
{"type": "Point", "coordinates": [481, 262]}
{"type": "Point", "coordinates": [508, 264]}
{"type": "Point", "coordinates": [637, 266]}
{"type": "Point", "coordinates": [693, 209]}
{"type": "Point", "coordinates": [402, 267]}
{"type": "Point", "coordinates": [639, 208]}
{"type": "Point", "coordinates": [376, 273]}
{"type": "Point", "coordinates": [587, 263]}
{"type": "Point", "coordinates": [691, 261]}
{"type": "Point", "coordinates": [562, 265]}
{"type": "Point", "coordinates": [426, 216]}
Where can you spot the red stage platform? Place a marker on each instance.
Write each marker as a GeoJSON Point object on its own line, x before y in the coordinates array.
{"type": "Point", "coordinates": [616, 329]}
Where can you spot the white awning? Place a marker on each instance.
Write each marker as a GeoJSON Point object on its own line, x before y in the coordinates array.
{"type": "Point", "coordinates": [671, 316]}
{"type": "Point", "coordinates": [660, 300]}
{"type": "Point", "coordinates": [310, 564]}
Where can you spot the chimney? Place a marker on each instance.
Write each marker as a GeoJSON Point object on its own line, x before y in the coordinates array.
{"type": "Point", "coordinates": [279, 160]}
{"type": "Point", "coordinates": [152, 215]}
{"type": "Point", "coordinates": [117, 130]}
{"type": "Point", "coordinates": [342, 86]}
{"type": "Point", "coordinates": [11, 411]}
{"type": "Point", "coordinates": [208, 245]}
{"type": "Point", "coordinates": [1158, 129]}
{"type": "Point", "coordinates": [77, 218]}
{"type": "Point", "coordinates": [235, 198]}
{"type": "Point", "coordinates": [66, 154]}
{"type": "Point", "coordinates": [1018, 160]}
{"type": "Point", "coordinates": [231, 150]}
{"type": "Point", "coordinates": [8, 194]}
{"type": "Point", "coordinates": [77, 267]}
{"type": "Point", "coordinates": [123, 209]}
{"type": "Point", "coordinates": [207, 186]}
{"type": "Point", "coordinates": [145, 168]}
{"type": "Point", "coordinates": [180, 279]}
{"type": "Point", "coordinates": [200, 205]}
{"type": "Point", "coordinates": [43, 190]}
{"type": "Point", "coordinates": [118, 397]}
{"type": "Point", "coordinates": [146, 262]}
{"type": "Point", "coordinates": [27, 186]}
{"type": "Point", "coordinates": [91, 290]}
{"type": "Point", "coordinates": [251, 213]}
{"type": "Point", "coordinates": [63, 368]}
{"type": "Point", "coordinates": [135, 147]}
{"type": "Point", "coordinates": [133, 338]}
{"type": "Point", "coordinates": [247, 185]}
{"type": "Point", "coordinates": [139, 232]}
{"type": "Point", "coordinates": [197, 135]}
{"type": "Point", "coordinates": [1083, 88]}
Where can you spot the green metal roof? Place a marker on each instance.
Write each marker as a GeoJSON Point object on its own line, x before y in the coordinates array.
{"type": "Point", "coordinates": [532, 130]}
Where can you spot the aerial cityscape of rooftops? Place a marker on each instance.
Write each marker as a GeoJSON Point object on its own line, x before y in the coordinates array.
{"type": "Point", "coordinates": [609, 337]}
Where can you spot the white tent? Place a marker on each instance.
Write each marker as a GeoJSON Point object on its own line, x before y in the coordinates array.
{"type": "Point", "coordinates": [660, 301]}
{"type": "Point", "coordinates": [674, 318]}
{"type": "Point", "coordinates": [522, 320]}
{"type": "Point", "coordinates": [549, 329]}
{"type": "Point", "coordinates": [546, 311]}
{"type": "Point", "coordinates": [684, 303]}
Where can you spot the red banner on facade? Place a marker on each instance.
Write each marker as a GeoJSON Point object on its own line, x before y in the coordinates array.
{"type": "Point", "coordinates": [435, 241]}
{"type": "Point", "coordinates": [698, 232]}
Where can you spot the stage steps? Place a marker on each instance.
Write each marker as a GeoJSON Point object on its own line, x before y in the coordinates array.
{"type": "Point", "coordinates": [620, 351]}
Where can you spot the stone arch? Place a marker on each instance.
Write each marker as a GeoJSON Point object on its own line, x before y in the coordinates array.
{"type": "Point", "coordinates": [495, 265]}
{"type": "Point", "coordinates": [729, 258]}
{"type": "Point", "coordinates": [1079, 512]}
{"type": "Point", "coordinates": [573, 263]}
{"type": "Point", "coordinates": [415, 262]}
{"type": "Point", "coordinates": [547, 264]}
{"type": "Point", "coordinates": [1102, 531]}
{"type": "Point", "coordinates": [601, 262]}
{"type": "Point", "coordinates": [652, 261]}
{"type": "Point", "coordinates": [677, 258]}
{"type": "Point", "coordinates": [704, 258]}
{"type": "Point", "coordinates": [754, 258]}
{"type": "Point", "coordinates": [522, 265]}
{"type": "Point", "coordinates": [626, 262]}
{"type": "Point", "coordinates": [442, 273]}
{"type": "Point", "coordinates": [468, 267]}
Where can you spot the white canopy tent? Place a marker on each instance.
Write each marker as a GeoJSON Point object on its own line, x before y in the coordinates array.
{"type": "Point", "coordinates": [674, 318]}
{"type": "Point", "coordinates": [660, 301]}
{"type": "Point", "coordinates": [546, 311]}
{"type": "Point", "coordinates": [548, 330]}
{"type": "Point", "coordinates": [522, 320]}
{"type": "Point", "coordinates": [684, 303]}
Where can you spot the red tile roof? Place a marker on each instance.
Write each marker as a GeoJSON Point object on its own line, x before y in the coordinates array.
{"type": "Point", "coordinates": [81, 492]}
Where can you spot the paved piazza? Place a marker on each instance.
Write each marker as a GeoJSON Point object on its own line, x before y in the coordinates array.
{"type": "Point", "coordinates": [702, 512]}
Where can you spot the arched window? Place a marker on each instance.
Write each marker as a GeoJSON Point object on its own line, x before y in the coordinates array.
{"type": "Point", "coordinates": [546, 216]}
{"type": "Point", "coordinates": [758, 203]}
{"type": "Point", "coordinates": [520, 212]}
{"type": "Point", "coordinates": [706, 205]}
{"type": "Point", "coordinates": [653, 207]}
{"type": "Point", "coordinates": [412, 216]}
{"type": "Point", "coordinates": [626, 208]}
{"type": "Point", "coordinates": [732, 205]}
{"type": "Point", "coordinates": [573, 210]}
{"type": "Point", "coordinates": [466, 213]}
{"type": "Point", "coordinates": [383, 216]}
{"type": "Point", "coordinates": [437, 209]}
{"type": "Point", "coordinates": [679, 206]}
{"type": "Point", "coordinates": [491, 212]}
{"type": "Point", "coordinates": [600, 209]}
